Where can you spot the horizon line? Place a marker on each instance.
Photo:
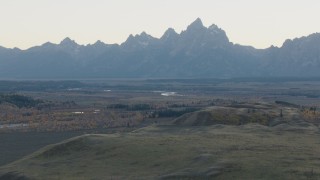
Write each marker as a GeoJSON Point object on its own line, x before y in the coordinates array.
{"type": "Point", "coordinates": [119, 44]}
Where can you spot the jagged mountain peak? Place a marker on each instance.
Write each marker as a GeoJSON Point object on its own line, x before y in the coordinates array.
{"type": "Point", "coordinates": [287, 43]}
{"type": "Point", "coordinates": [99, 43]}
{"type": "Point", "coordinates": [197, 35]}
{"type": "Point", "coordinates": [140, 40]}
{"type": "Point", "coordinates": [144, 34]}
{"type": "Point", "coordinates": [169, 34]}
{"type": "Point", "coordinates": [196, 23]}
{"type": "Point", "coordinates": [215, 28]}
{"type": "Point", "coordinates": [68, 42]}
{"type": "Point", "coordinates": [196, 52]}
{"type": "Point", "coordinates": [314, 37]}
{"type": "Point", "coordinates": [170, 31]}
{"type": "Point", "coordinates": [196, 26]}
{"type": "Point", "coordinates": [48, 44]}
{"type": "Point", "coordinates": [130, 37]}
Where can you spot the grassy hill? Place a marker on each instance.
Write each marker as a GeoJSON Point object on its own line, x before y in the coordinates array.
{"type": "Point", "coordinates": [173, 152]}
{"type": "Point", "coordinates": [264, 114]}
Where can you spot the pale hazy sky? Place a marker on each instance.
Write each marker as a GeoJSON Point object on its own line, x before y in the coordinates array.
{"type": "Point", "coordinates": [260, 23]}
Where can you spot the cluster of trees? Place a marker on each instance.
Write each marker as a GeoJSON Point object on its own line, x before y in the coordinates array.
{"type": "Point", "coordinates": [284, 103]}
{"type": "Point", "coordinates": [173, 113]}
{"type": "Point", "coordinates": [65, 118]}
{"type": "Point", "coordinates": [173, 110]}
{"type": "Point", "coordinates": [133, 107]}
{"type": "Point", "coordinates": [19, 100]}
{"type": "Point", "coordinates": [311, 114]}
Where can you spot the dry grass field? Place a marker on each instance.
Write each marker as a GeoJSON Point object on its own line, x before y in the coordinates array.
{"type": "Point", "coordinates": [171, 152]}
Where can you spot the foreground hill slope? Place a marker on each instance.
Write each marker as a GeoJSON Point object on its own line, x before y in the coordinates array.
{"type": "Point", "coordinates": [170, 152]}
{"type": "Point", "coordinates": [197, 52]}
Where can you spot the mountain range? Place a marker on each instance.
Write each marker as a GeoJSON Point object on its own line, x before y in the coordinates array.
{"type": "Point", "coordinates": [197, 52]}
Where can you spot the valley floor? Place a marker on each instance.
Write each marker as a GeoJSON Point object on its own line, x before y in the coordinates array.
{"type": "Point", "coordinates": [160, 129]}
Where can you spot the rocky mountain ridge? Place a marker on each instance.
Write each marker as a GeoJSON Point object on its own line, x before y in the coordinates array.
{"type": "Point", "coordinates": [197, 52]}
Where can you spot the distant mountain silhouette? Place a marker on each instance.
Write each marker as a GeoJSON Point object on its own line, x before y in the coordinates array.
{"type": "Point", "coordinates": [197, 52]}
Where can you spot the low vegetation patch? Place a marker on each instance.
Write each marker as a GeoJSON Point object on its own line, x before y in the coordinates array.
{"type": "Point", "coordinates": [226, 116]}
{"type": "Point", "coordinates": [19, 100]}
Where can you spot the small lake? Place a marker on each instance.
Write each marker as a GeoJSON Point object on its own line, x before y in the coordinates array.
{"type": "Point", "coordinates": [165, 93]}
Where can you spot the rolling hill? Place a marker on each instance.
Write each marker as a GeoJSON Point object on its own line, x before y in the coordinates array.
{"type": "Point", "coordinates": [208, 152]}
